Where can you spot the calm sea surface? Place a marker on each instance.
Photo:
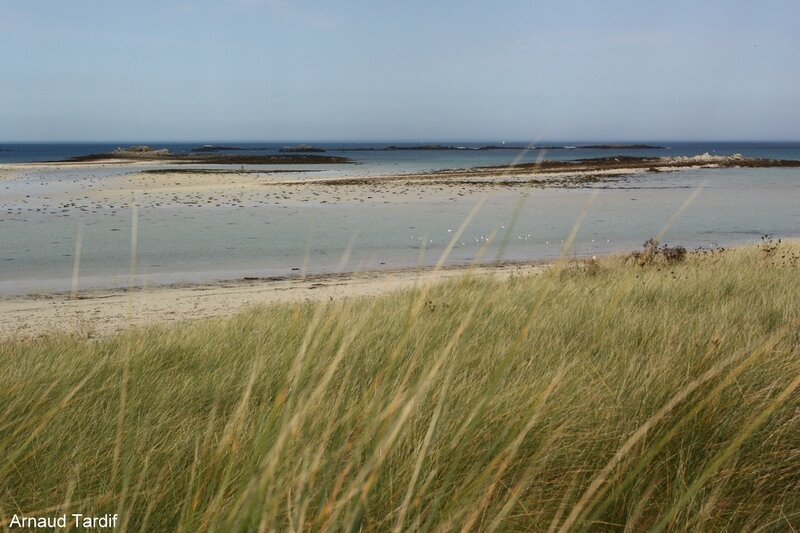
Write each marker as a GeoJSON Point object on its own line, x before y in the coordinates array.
{"type": "Point", "coordinates": [413, 159]}
{"type": "Point", "coordinates": [182, 244]}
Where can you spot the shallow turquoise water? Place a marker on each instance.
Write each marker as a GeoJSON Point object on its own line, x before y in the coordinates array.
{"type": "Point", "coordinates": [183, 244]}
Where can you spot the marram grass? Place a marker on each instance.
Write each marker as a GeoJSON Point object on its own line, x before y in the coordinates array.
{"type": "Point", "coordinates": [605, 396]}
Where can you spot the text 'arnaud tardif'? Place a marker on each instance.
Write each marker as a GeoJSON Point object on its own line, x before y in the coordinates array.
{"type": "Point", "coordinates": [64, 520]}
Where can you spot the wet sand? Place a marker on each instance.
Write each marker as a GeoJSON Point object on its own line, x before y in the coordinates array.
{"type": "Point", "coordinates": [173, 185]}
{"type": "Point", "coordinates": [110, 188]}
{"type": "Point", "coordinates": [97, 313]}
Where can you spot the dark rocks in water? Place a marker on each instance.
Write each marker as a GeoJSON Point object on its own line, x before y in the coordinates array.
{"type": "Point", "coordinates": [553, 148]}
{"type": "Point", "coordinates": [148, 154]}
{"type": "Point", "coordinates": [449, 147]}
{"type": "Point", "coordinates": [614, 146]}
{"type": "Point", "coordinates": [211, 148]}
{"type": "Point", "coordinates": [432, 147]}
{"type": "Point", "coordinates": [507, 147]}
{"type": "Point", "coordinates": [501, 147]}
{"type": "Point", "coordinates": [421, 147]}
{"type": "Point", "coordinates": [88, 158]}
{"type": "Point", "coordinates": [766, 163]}
{"type": "Point", "coordinates": [512, 147]}
{"type": "Point", "coordinates": [600, 147]}
{"type": "Point", "coordinates": [626, 162]}
{"type": "Point", "coordinates": [173, 170]}
{"type": "Point", "coordinates": [140, 151]}
{"type": "Point", "coordinates": [615, 159]}
{"type": "Point", "coordinates": [280, 159]}
{"type": "Point", "coordinates": [300, 148]}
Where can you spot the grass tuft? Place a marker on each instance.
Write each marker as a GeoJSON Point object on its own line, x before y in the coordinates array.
{"type": "Point", "coordinates": [610, 394]}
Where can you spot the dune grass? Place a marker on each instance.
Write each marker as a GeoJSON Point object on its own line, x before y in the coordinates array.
{"type": "Point", "coordinates": [601, 396]}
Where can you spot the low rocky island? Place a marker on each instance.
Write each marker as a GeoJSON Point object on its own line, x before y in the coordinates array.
{"type": "Point", "coordinates": [300, 148]}
{"type": "Point", "coordinates": [600, 147]}
{"type": "Point", "coordinates": [443, 147]}
{"type": "Point", "coordinates": [574, 173]}
{"type": "Point", "coordinates": [432, 147]}
{"type": "Point", "coordinates": [133, 152]}
{"type": "Point", "coordinates": [146, 153]}
{"type": "Point", "coordinates": [212, 148]}
{"type": "Point", "coordinates": [620, 147]}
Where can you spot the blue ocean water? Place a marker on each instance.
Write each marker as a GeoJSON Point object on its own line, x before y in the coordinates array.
{"type": "Point", "coordinates": [44, 209]}
{"type": "Point", "coordinates": [370, 153]}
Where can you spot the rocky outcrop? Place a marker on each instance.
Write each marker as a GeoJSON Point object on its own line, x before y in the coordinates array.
{"type": "Point", "coordinates": [300, 148]}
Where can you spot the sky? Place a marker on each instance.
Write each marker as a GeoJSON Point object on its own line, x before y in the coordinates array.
{"type": "Point", "coordinates": [613, 70]}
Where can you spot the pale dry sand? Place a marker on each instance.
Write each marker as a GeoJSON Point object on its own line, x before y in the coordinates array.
{"type": "Point", "coordinates": [154, 184]}
{"type": "Point", "coordinates": [99, 313]}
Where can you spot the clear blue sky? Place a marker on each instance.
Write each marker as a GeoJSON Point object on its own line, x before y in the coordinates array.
{"type": "Point", "coordinates": [411, 70]}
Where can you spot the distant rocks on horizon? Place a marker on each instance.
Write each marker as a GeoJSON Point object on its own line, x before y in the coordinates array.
{"type": "Point", "coordinates": [421, 147]}
{"type": "Point", "coordinates": [300, 148]}
{"type": "Point", "coordinates": [621, 147]}
{"type": "Point", "coordinates": [436, 147]}
{"type": "Point", "coordinates": [140, 151]}
{"type": "Point", "coordinates": [146, 153]}
{"type": "Point", "coordinates": [430, 147]}
{"type": "Point", "coordinates": [211, 148]}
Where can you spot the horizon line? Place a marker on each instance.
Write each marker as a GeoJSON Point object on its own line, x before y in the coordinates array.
{"type": "Point", "coordinates": [404, 141]}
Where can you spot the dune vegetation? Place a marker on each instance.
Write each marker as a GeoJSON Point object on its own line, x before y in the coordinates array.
{"type": "Point", "coordinates": [650, 393]}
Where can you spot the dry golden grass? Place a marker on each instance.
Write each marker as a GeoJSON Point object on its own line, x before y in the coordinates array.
{"type": "Point", "coordinates": [602, 396]}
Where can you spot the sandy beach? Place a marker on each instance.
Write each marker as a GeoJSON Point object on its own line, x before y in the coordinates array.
{"type": "Point", "coordinates": [93, 313]}
{"type": "Point", "coordinates": [154, 183]}
{"type": "Point", "coordinates": [232, 202]}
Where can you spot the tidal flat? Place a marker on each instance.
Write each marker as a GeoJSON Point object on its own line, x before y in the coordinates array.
{"type": "Point", "coordinates": [108, 225]}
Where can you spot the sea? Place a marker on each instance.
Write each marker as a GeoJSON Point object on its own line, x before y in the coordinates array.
{"type": "Point", "coordinates": [373, 155]}
{"type": "Point", "coordinates": [40, 250]}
